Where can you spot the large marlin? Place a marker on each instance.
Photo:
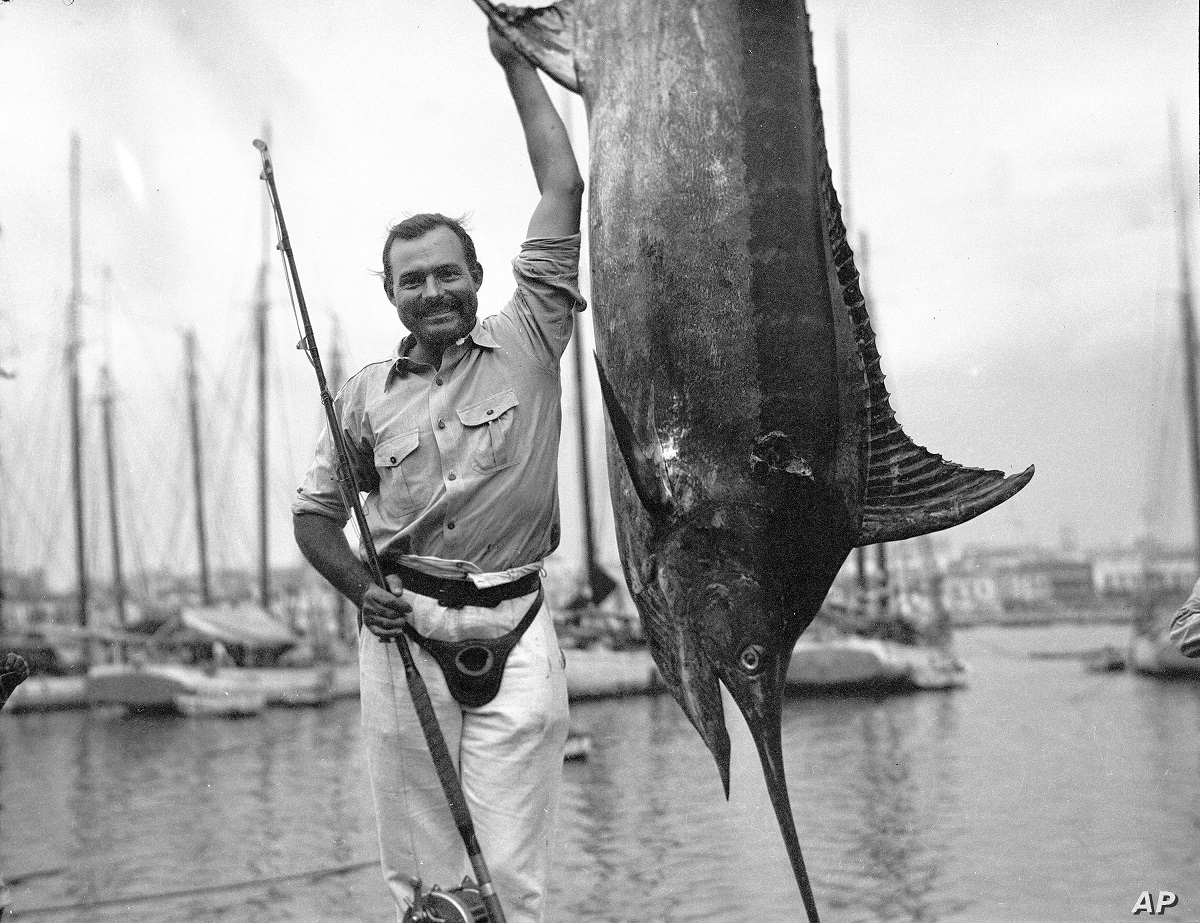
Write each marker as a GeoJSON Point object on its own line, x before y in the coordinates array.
{"type": "Point", "coordinates": [752, 444]}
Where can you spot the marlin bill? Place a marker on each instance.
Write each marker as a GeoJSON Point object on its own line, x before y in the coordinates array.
{"type": "Point", "coordinates": [751, 442]}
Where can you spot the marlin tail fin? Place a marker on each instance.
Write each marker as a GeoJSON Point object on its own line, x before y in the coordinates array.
{"type": "Point", "coordinates": [545, 35]}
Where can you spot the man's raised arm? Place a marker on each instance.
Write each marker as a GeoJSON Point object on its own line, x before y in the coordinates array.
{"type": "Point", "coordinates": [554, 166]}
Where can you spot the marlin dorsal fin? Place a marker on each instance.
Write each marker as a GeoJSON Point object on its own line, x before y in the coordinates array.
{"type": "Point", "coordinates": [907, 490]}
{"type": "Point", "coordinates": [545, 35]}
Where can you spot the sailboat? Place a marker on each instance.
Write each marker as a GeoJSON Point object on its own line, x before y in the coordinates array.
{"type": "Point", "coordinates": [182, 663]}
{"type": "Point", "coordinates": [53, 653]}
{"type": "Point", "coordinates": [248, 627]}
{"type": "Point", "coordinates": [218, 656]}
{"type": "Point", "coordinates": [1151, 650]}
{"type": "Point", "coordinates": [252, 639]}
{"type": "Point", "coordinates": [53, 691]}
{"type": "Point", "coordinates": [318, 682]}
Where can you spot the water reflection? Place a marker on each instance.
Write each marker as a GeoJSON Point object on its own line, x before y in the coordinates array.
{"type": "Point", "coordinates": [873, 790]}
{"type": "Point", "coordinates": [139, 806]}
{"type": "Point", "coordinates": [617, 807]}
{"type": "Point", "coordinates": [1040, 792]}
{"type": "Point", "coordinates": [904, 786]}
{"type": "Point", "coordinates": [1170, 710]}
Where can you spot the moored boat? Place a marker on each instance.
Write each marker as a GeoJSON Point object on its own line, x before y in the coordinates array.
{"type": "Point", "coordinates": [179, 687]}
{"type": "Point", "coordinates": [852, 663]}
{"type": "Point", "coordinates": [597, 672]}
{"type": "Point", "coordinates": [222, 702]}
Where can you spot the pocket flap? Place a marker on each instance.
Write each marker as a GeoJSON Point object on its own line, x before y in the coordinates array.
{"type": "Point", "coordinates": [391, 453]}
{"type": "Point", "coordinates": [489, 409]}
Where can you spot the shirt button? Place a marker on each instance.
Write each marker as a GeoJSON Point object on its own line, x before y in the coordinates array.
{"type": "Point", "coordinates": [441, 424]}
{"type": "Point", "coordinates": [489, 413]}
{"type": "Point", "coordinates": [393, 459]}
{"type": "Point", "coordinates": [453, 475]}
{"type": "Point", "coordinates": [450, 525]}
{"type": "Point", "coordinates": [438, 380]}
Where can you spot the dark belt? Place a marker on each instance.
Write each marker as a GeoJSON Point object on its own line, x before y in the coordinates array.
{"type": "Point", "coordinates": [454, 594]}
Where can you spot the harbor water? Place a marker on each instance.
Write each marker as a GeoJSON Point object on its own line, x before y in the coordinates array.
{"type": "Point", "coordinates": [1041, 791]}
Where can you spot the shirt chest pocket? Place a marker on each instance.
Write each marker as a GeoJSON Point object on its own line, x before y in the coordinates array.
{"type": "Point", "coordinates": [399, 485]}
{"type": "Point", "coordinates": [487, 431]}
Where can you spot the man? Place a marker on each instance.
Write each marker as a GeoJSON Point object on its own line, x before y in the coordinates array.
{"type": "Point", "coordinates": [455, 441]}
{"type": "Point", "coordinates": [1185, 627]}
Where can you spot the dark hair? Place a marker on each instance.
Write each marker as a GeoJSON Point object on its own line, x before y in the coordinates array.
{"type": "Point", "coordinates": [418, 226]}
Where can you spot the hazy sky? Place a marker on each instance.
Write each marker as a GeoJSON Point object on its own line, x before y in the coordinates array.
{"type": "Point", "coordinates": [1009, 166]}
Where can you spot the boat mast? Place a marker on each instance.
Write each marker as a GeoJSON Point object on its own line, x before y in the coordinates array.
{"type": "Point", "coordinates": [189, 350]}
{"type": "Point", "coordinates": [1188, 324]}
{"type": "Point", "coordinates": [3, 481]}
{"type": "Point", "coordinates": [585, 478]}
{"type": "Point", "coordinates": [4, 374]}
{"type": "Point", "coordinates": [600, 584]}
{"type": "Point", "coordinates": [106, 412]}
{"type": "Point", "coordinates": [73, 342]}
{"type": "Point", "coordinates": [260, 327]}
{"type": "Point", "coordinates": [110, 471]}
{"type": "Point", "coordinates": [344, 620]}
{"type": "Point", "coordinates": [585, 487]}
{"type": "Point", "coordinates": [337, 365]}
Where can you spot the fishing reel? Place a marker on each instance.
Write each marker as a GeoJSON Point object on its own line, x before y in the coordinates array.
{"type": "Point", "coordinates": [463, 904]}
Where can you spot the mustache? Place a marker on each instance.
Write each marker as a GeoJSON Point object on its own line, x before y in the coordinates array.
{"type": "Point", "coordinates": [428, 306]}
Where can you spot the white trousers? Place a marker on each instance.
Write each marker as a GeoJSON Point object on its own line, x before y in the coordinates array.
{"type": "Point", "coordinates": [509, 755]}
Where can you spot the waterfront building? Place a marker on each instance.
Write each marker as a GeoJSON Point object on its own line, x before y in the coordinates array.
{"type": "Point", "coordinates": [1128, 575]}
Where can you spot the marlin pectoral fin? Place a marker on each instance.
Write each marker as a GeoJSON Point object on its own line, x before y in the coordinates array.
{"type": "Point", "coordinates": [545, 35]}
{"type": "Point", "coordinates": [643, 457]}
{"type": "Point", "coordinates": [911, 491]}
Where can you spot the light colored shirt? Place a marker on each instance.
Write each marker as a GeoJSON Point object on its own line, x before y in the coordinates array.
{"type": "Point", "coordinates": [1185, 627]}
{"type": "Point", "coordinates": [460, 464]}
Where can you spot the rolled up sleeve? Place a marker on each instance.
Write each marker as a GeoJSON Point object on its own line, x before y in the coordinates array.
{"type": "Point", "coordinates": [547, 297]}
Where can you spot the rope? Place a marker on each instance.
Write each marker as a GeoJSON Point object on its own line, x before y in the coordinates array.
{"type": "Point", "coordinates": [315, 874]}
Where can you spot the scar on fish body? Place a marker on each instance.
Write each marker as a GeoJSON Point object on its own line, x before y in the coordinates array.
{"type": "Point", "coordinates": [752, 444]}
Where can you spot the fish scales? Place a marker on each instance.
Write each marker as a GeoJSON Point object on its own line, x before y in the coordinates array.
{"type": "Point", "coordinates": [751, 441]}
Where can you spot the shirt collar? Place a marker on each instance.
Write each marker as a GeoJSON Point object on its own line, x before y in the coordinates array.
{"type": "Point", "coordinates": [479, 336]}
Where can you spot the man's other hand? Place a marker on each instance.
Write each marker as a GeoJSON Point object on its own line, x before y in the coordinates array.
{"type": "Point", "coordinates": [385, 613]}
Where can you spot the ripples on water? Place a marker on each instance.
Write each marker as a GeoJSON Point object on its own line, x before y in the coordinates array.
{"type": "Point", "coordinates": [1041, 792]}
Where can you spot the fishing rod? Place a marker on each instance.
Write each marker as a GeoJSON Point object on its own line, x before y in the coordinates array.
{"type": "Point", "coordinates": [460, 901]}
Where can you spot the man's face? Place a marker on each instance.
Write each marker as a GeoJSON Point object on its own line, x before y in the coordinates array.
{"type": "Point", "coordinates": [432, 288]}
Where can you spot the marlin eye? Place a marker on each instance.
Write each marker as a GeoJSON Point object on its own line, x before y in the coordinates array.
{"type": "Point", "coordinates": [751, 658]}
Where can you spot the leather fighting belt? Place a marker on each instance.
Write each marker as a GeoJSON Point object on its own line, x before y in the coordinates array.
{"type": "Point", "coordinates": [473, 667]}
